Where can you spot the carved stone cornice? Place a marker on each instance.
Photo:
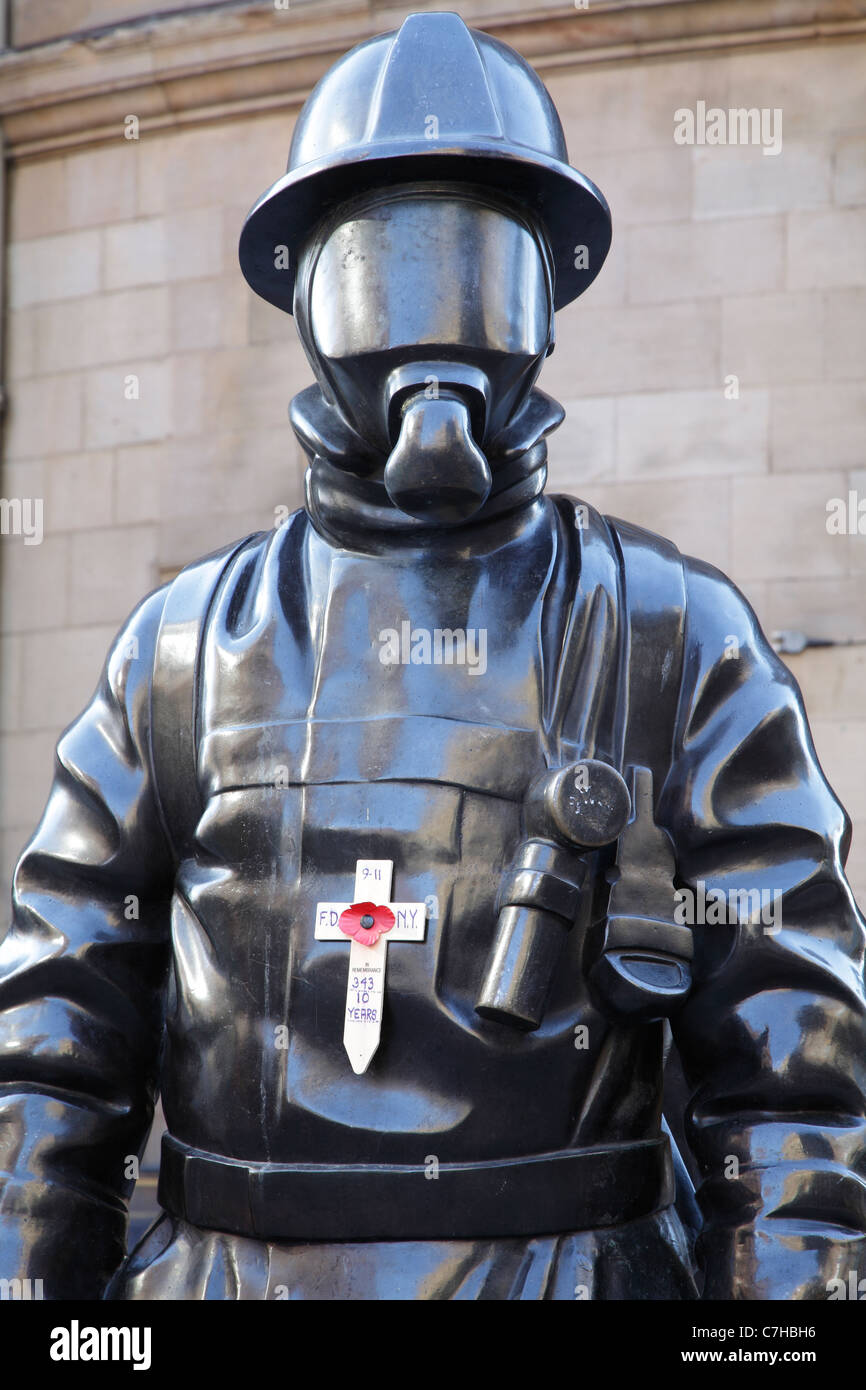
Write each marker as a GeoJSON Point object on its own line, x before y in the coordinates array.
{"type": "Point", "coordinates": [208, 65]}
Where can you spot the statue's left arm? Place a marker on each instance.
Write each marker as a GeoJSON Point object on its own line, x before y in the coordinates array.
{"type": "Point", "coordinates": [82, 970]}
{"type": "Point", "coordinates": [773, 1036]}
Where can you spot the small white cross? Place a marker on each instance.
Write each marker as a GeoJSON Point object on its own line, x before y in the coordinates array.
{"type": "Point", "coordinates": [365, 988]}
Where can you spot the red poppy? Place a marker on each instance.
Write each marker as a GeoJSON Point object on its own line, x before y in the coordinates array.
{"type": "Point", "coordinates": [366, 922]}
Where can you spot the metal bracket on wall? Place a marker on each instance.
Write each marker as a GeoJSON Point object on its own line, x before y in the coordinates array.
{"type": "Point", "coordinates": [790, 642]}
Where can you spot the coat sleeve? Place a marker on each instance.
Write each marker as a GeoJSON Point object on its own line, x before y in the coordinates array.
{"type": "Point", "coordinates": [773, 1036]}
{"type": "Point", "coordinates": [82, 968]}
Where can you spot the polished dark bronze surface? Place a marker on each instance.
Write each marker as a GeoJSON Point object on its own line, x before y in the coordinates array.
{"type": "Point", "coordinates": [536, 713]}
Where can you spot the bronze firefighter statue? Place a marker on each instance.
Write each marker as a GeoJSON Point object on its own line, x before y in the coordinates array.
{"type": "Point", "coordinates": [508, 748]}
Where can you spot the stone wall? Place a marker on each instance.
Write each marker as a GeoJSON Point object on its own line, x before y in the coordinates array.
{"type": "Point", "coordinates": [727, 263]}
{"type": "Point", "coordinates": [123, 278]}
{"type": "Point", "coordinates": [38, 21]}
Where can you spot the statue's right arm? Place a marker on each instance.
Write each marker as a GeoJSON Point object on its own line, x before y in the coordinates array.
{"type": "Point", "coordinates": [82, 969]}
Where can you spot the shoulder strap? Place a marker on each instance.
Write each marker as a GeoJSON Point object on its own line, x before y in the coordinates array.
{"type": "Point", "coordinates": [174, 694]}
{"type": "Point", "coordinates": [618, 686]}
{"type": "Point", "coordinates": [654, 608]}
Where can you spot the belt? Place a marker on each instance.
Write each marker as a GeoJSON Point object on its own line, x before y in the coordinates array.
{"type": "Point", "coordinates": [543, 1194]}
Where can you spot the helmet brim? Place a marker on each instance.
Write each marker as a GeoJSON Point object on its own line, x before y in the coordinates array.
{"type": "Point", "coordinates": [572, 211]}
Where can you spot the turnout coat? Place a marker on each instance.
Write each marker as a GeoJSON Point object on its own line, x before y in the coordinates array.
{"type": "Point", "coordinates": [247, 744]}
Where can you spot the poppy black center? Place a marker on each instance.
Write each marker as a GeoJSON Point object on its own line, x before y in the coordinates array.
{"type": "Point", "coordinates": [367, 921]}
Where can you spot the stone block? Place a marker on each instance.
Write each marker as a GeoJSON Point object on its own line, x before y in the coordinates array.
{"type": "Point", "coordinates": [78, 492]}
{"type": "Point", "coordinates": [827, 249]}
{"type": "Point", "coordinates": [832, 680]}
{"type": "Point", "coordinates": [235, 472]}
{"type": "Point", "coordinates": [692, 433]}
{"type": "Point", "coordinates": [111, 569]}
{"type": "Point", "coordinates": [135, 253]}
{"type": "Point", "coordinates": [11, 647]}
{"type": "Point", "coordinates": [630, 108]}
{"type": "Point", "coordinates": [856, 867]}
{"type": "Point", "coordinates": [37, 205]}
{"type": "Point", "coordinates": [23, 479]}
{"type": "Point", "coordinates": [26, 769]}
{"type": "Point", "coordinates": [685, 260]}
{"type": "Point", "coordinates": [817, 425]}
{"type": "Point", "coordinates": [609, 286]}
{"type": "Point", "coordinates": [845, 340]}
{"type": "Point", "coordinates": [770, 339]}
{"type": "Point", "coordinates": [127, 403]}
{"type": "Point", "coordinates": [832, 608]}
{"type": "Point", "coordinates": [195, 168]}
{"type": "Point", "coordinates": [51, 19]}
{"type": "Point", "coordinates": [100, 184]}
{"type": "Point", "coordinates": [213, 314]}
{"type": "Point", "coordinates": [105, 328]}
{"type": "Point", "coordinates": [852, 514]}
{"type": "Point", "coordinates": [849, 176]}
{"type": "Point", "coordinates": [235, 389]}
{"type": "Point", "coordinates": [181, 245]}
{"type": "Point", "coordinates": [12, 843]}
{"type": "Point", "coordinates": [634, 348]}
{"type": "Point", "coordinates": [779, 527]}
{"type": "Point", "coordinates": [817, 86]}
{"type": "Point", "coordinates": [21, 343]}
{"type": "Point", "coordinates": [54, 267]}
{"type": "Point", "coordinates": [136, 483]}
{"type": "Point", "coordinates": [645, 185]}
{"type": "Point", "coordinates": [582, 449]}
{"type": "Point", "coordinates": [34, 588]}
{"type": "Point", "coordinates": [841, 748]}
{"type": "Point", "coordinates": [265, 322]}
{"type": "Point", "coordinates": [79, 654]}
{"type": "Point", "coordinates": [740, 180]}
{"type": "Point", "coordinates": [45, 416]}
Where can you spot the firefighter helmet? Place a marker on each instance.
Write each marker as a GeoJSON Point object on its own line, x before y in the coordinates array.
{"type": "Point", "coordinates": [434, 101]}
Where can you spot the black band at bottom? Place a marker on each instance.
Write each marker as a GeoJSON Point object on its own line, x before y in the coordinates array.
{"type": "Point", "coordinates": [543, 1194]}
